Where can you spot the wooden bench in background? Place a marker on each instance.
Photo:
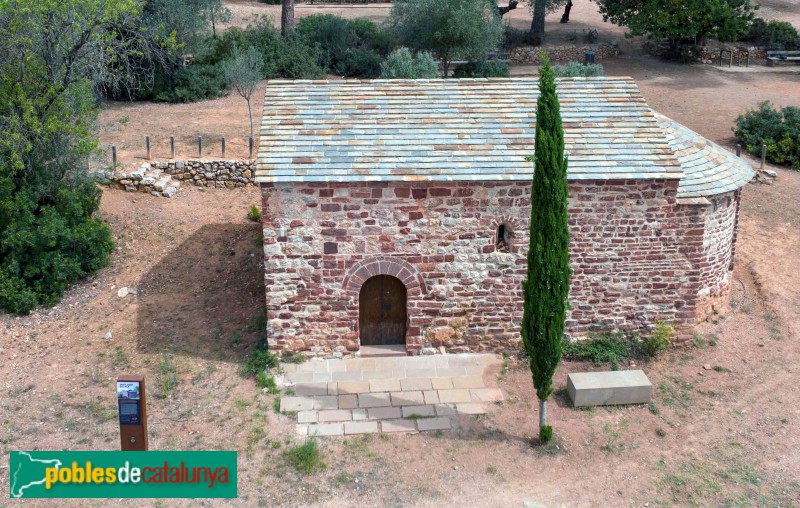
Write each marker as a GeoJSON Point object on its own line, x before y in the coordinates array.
{"type": "Point", "coordinates": [774, 57]}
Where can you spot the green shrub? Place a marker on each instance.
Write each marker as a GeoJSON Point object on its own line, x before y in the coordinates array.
{"type": "Point", "coordinates": [305, 457]}
{"type": "Point", "coordinates": [368, 35]}
{"type": "Point", "coordinates": [47, 244]}
{"type": "Point", "coordinates": [607, 347]}
{"type": "Point", "coordinates": [348, 48]}
{"type": "Point", "coordinates": [514, 37]}
{"type": "Point", "coordinates": [257, 362]}
{"type": "Point", "coordinates": [288, 57]}
{"type": "Point", "coordinates": [359, 63]}
{"type": "Point", "coordinates": [617, 346]}
{"type": "Point", "coordinates": [778, 130]}
{"type": "Point", "coordinates": [401, 64]}
{"type": "Point", "coordinates": [577, 69]}
{"type": "Point", "coordinates": [774, 35]}
{"type": "Point", "coordinates": [658, 341]}
{"type": "Point", "coordinates": [483, 69]}
{"type": "Point", "coordinates": [254, 214]}
{"type": "Point", "coordinates": [193, 83]}
{"type": "Point", "coordinates": [330, 33]}
{"type": "Point", "coordinates": [265, 381]}
{"type": "Point", "coordinates": [546, 434]}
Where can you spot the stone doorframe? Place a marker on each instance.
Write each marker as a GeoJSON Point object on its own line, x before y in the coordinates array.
{"type": "Point", "coordinates": [408, 274]}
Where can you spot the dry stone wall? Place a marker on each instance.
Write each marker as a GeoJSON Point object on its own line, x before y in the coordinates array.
{"type": "Point", "coordinates": [152, 176]}
{"type": "Point", "coordinates": [637, 255]}
{"type": "Point", "coordinates": [530, 54]}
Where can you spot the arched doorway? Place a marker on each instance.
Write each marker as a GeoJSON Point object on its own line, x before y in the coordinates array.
{"type": "Point", "coordinates": [382, 312]}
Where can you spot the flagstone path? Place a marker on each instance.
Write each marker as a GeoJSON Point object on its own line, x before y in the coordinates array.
{"type": "Point", "coordinates": [396, 394]}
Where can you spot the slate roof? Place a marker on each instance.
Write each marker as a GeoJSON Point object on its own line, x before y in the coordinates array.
{"type": "Point", "coordinates": [460, 130]}
{"type": "Point", "coordinates": [708, 168]}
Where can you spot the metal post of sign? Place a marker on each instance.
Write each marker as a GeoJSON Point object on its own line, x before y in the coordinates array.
{"type": "Point", "coordinates": [172, 147]}
{"type": "Point", "coordinates": [763, 155]}
{"type": "Point", "coordinates": [223, 147]}
{"type": "Point", "coordinates": [132, 413]}
{"type": "Point", "coordinates": [147, 144]}
{"type": "Point", "coordinates": [199, 146]}
{"type": "Point", "coordinates": [114, 156]}
{"type": "Point", "coordinates": [738, 149]}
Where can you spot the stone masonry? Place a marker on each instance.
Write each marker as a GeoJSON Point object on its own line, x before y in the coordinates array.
{"type": "Point", "coordinates": [165, 177]}
{"type": "Point", "coordinates": [639, 254]}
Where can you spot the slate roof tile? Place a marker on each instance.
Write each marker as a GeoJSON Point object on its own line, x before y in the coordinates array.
{"type": "Point", "coordinates": [476, 129]}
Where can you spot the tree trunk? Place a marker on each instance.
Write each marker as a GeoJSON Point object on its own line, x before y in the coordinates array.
{"type": "Point", "coordinates": [542, 414]}
{"type": "Point", "coordinates": [537, 25]}
{"type": "Point", "coordinates": [567, 8]}
{"type": "Point", "coordinates": [250, 112]}
{"type": "Point", "coordinates": [287, 16]}
{"type": "Point", "coordinates": [445, 67]}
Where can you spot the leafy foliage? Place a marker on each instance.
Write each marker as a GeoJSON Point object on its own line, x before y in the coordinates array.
{"type": "Point", "coordinates": [657, 341]}
{"type": "Point", "coordinates": [254, 215]}
{"type": "Point", "coordinates": [685, 22]}
{"type": "Point", "coordinates": [449, 29]}
{"type": "Point", "coordinates": [613, 347]}
{"type": "Point", "coordinates": [774, 35]}
{"type": "Point", "coordinates": [546, 286]}
{"type": "Point", "coordinates": [352, 48]}
{"type": "Point", "coordinates": [779, 130]}
{"type": "Point", "coordinates": [243, 70]}
{"type": "Point", "coordinates": [57, 53]}
{"type": "Point", "coordinates": [482, 69]}
{"type": "Point", "coordinates": [401, 64]}
{"type": "Point", "coordinates": [608, 347]}
{"type": "Point", "coordinates": [257, 362]}
{"type": "Point", "coordinates": [191, 84]}
{"type": "Point", "coordinates": [577, 69]}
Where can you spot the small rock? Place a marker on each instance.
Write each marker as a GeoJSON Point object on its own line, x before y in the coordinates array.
{"type": "Point", "coordinates": [108, 336]}
{"type": "Point", "coordinates": [770, 173]}
{"type": "Point", "coordinates": [123, 292]}
{"type": "Point", "coordinates": [707, 366]}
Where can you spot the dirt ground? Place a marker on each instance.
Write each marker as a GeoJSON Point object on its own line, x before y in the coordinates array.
{"type": "Point", "coordinates": [727, 436]}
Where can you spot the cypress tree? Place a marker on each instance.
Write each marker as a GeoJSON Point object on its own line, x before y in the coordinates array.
{"type": "Point", "coordinates": [547, 284]}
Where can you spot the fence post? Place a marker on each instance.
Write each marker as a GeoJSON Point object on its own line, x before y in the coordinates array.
{"type": "Point", "coordinates": [172, 147]}
{"type": "Point", "coordinates": [763, 154]}
{"type": "Point", "coordinates": [250, 145]}
{"type": "Point", "coordinates": [114, 156]}
{"type": "Point", "coordinates": [147, 144]}
{"type": "Point", "coordinates": [738, 149]}
{"type": "Point", "coordinates": [199, 146]}
{"type": "Point", "coordinates": [223, 147]}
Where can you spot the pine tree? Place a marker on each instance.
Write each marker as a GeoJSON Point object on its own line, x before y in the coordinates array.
{"type": "Point", "coordinates": [547, 285]}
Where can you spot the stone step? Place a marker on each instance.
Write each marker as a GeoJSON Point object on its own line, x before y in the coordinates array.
{"type": "Point", "coordinates": [399, 400]}
{"type": "Point", "coordinates": [162, 183]}
{"type": "Point", "coordinates": [609, 388]}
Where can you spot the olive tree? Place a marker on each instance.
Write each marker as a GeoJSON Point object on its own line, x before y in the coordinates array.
{"type": "Point", "coordinates": [243, 70]}
{"type": "Point", "coordinates": [449, 29]}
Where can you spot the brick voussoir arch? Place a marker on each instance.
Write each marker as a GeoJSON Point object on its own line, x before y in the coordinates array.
{"type": "Point", "coordinates": [383, 265]}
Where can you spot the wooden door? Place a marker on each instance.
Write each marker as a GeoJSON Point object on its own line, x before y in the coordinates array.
{"type": "Point", "coordinates": [382, 311]}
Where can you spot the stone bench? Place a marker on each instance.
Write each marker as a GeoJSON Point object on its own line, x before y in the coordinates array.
{"type": "Point", "coordinates": [607, 388]}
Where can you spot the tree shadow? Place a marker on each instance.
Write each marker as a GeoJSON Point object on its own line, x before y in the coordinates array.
{"type": "Point", "coordinates": [206, 298]}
